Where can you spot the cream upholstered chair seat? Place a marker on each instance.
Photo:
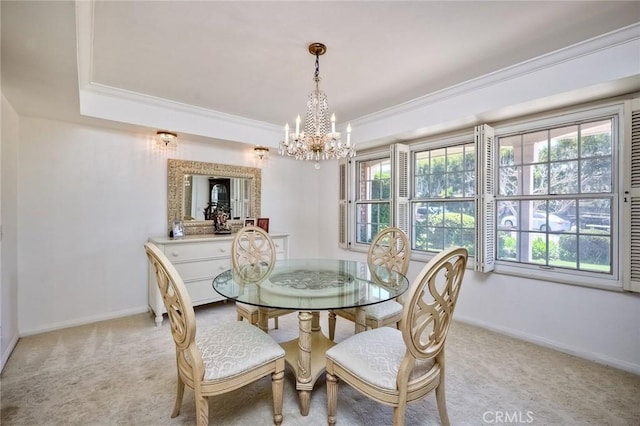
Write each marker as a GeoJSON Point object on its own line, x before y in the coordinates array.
{"type": "Point", "coordinates": [379, 312]}
{"type": "Point", "coordinates": [232, 348]}
{"type": "Point", "coordinates": [217, 359]}
{"type": "Point", "coordinates": [356, 356]}
{"type": "Point", "coordinates": [398, 366]}
{"type": "Point", "coordinates": [384, 310]}
{"type": "Point", "coordinates": [389, 249]}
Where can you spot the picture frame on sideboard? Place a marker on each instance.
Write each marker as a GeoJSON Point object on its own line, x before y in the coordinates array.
{"type": "Point", "coordinates": [263, 222]}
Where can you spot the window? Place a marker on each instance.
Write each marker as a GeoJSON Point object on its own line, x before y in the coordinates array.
{"type": "Point", "coordinates": [540, 198]}
{"type": "Point", "coordinates": [373, 201]}
{"type": "Point", "coordinates": [555, 198]}
{"type": "Point", "coordinates": [443, 202]}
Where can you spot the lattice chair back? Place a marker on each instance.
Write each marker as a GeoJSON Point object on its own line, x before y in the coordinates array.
{"type": "Point", "coordinates": [252, 246]}
{"type": "Point", "coordinates": [179, 310]}
{"type": "Point", "coordinates": [430, 303]}
{"type": "Point", "coordinates": [390, 249]}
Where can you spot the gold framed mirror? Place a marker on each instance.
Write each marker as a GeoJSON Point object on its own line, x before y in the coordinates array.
{"type": "Point", "coordinates": [241, 185]}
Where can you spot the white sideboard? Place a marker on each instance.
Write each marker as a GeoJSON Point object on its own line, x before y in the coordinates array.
{"type": "Point", "coordinates": [199, 259]}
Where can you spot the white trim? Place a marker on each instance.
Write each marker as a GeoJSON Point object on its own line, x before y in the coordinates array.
{"type": "Point", "coordinates": [115, 104]}
{"type": "Point", "coordinates": [582, 278]}
{"type": "Point", "coordinates": [554, 118]}
{"type": "Point", "coordinates": [7, 353]}
{"type": "Point", "coordinates": [98, 89]}
{"type": "Point", "coordinates": [581, 78]}
{"type": "Point", "coordinates": [559, 275]}
{"type": "Point", "coordinates": [84, 41]}
{"type": "Point", "coordinates": [555, 345]}
{"type": "Point", "coordinates": [354, 200]}
{"type": "Point", "coordinates": [88, 320]}
{"type": "Point", "coordinates": [618, 37]}
{"type": "Point", "coordinates": [128, 107]}
{"type": "Point", "coordinates": [434, 109]}
{"type": "Point", "coordinates": [435, 142]}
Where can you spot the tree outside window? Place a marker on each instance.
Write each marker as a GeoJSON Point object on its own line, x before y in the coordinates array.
{"type": "Point", "coordinates": [373, 203]}
{"type": "Point", "coordinates": [443, 206]}
{"type": "Point", "coordinates": [556, 196]}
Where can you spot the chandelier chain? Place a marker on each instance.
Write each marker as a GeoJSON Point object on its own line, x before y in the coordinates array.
{"type": "Point", "coordinates": [316, 77]}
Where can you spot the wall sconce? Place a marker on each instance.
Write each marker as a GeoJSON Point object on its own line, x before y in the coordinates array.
{"type": "Point", "coordinates": [261, 152]}
{"type": "Point", "coordinates": [167, 138]}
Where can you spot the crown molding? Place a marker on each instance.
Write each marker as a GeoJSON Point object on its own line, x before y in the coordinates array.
{"type": "Point", "coordinates": [609, 40]}
{"type": "Point", "coordinates": [115, 104]}
{"type": "Point", "coordinates": [453, 105]}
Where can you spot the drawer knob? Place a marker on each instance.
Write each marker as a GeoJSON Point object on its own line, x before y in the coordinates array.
{"type": "Point", "coordinates": [175, 254]}
{"type": "Point", "coordinates": [222, 250]}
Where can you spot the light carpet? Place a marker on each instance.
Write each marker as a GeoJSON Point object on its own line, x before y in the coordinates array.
{"type": "Point", "coordinates": [122, 372]}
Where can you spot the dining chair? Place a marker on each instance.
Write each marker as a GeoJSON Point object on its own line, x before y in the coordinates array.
{"type": "Point", "coordinates": [253, 249]}
{"type": "Point", "coordinates": [398, 366]}
{"type": "Point", "coordinates": [220, 358]}
{"type": "Point", "coordinates": [389, 249]}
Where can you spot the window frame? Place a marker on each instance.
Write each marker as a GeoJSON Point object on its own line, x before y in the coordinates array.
{"type": "Point", "coordinates": [432, 144]}
{"type": "Point", "coordinates": [354, 201]}
{"type": "Point", "coordinates": [582, 278]}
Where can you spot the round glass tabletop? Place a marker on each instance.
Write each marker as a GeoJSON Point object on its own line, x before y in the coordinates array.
{"type": "Point", "coordinates": [310, 284]}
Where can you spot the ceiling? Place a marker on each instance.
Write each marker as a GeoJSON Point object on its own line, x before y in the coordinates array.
{"type": "Point", "coordinates": [248, 61]}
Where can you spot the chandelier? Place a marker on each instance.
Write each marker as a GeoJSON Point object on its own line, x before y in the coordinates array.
{"type": "Point", "coordinates": [319, 139]}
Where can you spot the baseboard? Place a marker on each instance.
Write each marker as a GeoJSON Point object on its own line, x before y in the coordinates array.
{"type": "Point", "coordinates": [591, 356]}
{"type": "Point", "coordinates": [7, 352]}
{"type": "Point", "coordinates": [85, 320]}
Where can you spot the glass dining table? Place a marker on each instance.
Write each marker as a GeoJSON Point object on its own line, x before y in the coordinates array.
{"type": "Point", "coordinates": [309, 286]}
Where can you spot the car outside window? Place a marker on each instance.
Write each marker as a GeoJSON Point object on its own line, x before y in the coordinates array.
{"type": "Point", "coordinates": [555, 196]}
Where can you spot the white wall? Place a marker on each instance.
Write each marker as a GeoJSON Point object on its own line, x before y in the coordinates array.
{"type": "Point", "coordinates": [90, 198]}
{"type": "Point", "coordinates": [600, 325]}
{"type": "Point", "coordinates": [9, 242]}
{"type": "Point", "coordinates": [290, 200]}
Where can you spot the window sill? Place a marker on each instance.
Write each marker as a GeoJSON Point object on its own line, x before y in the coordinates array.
{"type": "Point", "coordinates": [570, 277]}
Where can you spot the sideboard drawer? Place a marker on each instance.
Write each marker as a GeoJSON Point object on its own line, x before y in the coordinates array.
{"type": "Point", "coordinates": [197, 270]}
{"type": "Point", "coordinates": [194, 251]}
{"type": "Point", "coordinates": [203, 292]}
{"type": "Point", "coordinates": [281, 247]}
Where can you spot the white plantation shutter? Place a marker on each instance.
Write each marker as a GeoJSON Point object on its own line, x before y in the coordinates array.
{"type": "Point", "coordinates": [343, 203]}
{"type": "Point", "coordinates": [631, 281]}
{"type": "Point", "coordinates": [400, 167]}
{"type": "Point", "coordinates": [485, 198]}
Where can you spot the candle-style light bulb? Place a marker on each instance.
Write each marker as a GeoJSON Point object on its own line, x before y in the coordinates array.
{"type": "Point", "coordinates": [333, 122]}
{"type": "Point", "coordinates": [286, 132]}
{"type": "Point", "coordinates": [297, 125]}
{"type": "Point", "coordinates": [349, 134]}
